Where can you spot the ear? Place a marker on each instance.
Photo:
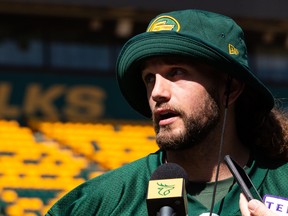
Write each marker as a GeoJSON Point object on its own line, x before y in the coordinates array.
{"type": "Point", "coordinates": [233, 90]}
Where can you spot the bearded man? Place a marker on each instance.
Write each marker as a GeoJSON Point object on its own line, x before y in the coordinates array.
{"type": "Point", "coordinates": [189, 72]}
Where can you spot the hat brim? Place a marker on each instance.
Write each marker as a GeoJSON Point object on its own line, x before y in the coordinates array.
{"type": "Point", "coordinates": [150, 44]}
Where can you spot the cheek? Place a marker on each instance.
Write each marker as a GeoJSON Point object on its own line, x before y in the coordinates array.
{"type": "Point", "coordinates": [151, 102]}
{"type": "Point", "coordinates": [196, 101]}
{"type": "Point", "coordinates": [192, 93]}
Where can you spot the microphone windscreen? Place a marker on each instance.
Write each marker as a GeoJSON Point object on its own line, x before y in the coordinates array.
{"type": "Point", "coordinates": [170, 171]}
{"type": "Point", "coordinates": [167, 189]}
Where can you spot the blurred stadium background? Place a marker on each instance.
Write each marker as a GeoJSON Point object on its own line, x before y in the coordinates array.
{"type": "Point", "coordinates": [62, 117]}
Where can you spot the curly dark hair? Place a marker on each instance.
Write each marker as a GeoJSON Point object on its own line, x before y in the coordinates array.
{"type": "Point", "coordinates": [264, 132]}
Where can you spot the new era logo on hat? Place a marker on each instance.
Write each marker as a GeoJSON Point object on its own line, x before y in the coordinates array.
{"type": "Point", "coordinates": [232, 50]}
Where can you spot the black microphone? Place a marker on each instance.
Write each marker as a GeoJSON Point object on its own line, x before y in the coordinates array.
{"type": "Point", "coordinates": [167, 191]}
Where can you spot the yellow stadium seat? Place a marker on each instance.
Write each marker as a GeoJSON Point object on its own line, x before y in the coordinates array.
{"type": "Point", "coordinates": [63, 155]}
{"type": "Point", "coordinates": [9, 196]}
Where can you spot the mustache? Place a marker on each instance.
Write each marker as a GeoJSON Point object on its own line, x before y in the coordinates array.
{"type": "Point", "coordinates": [156, 113]}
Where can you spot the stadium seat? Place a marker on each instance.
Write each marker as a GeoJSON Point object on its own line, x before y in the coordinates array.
{"type": "Point", "coordinates": [44, 160]}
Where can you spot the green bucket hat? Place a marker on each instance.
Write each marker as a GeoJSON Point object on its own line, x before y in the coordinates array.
{"type": "Point", "coordinates": [208, 36]}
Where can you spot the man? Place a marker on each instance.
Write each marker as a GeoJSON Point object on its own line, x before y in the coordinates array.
{"type": "Point", "coordinates": [189, 72]}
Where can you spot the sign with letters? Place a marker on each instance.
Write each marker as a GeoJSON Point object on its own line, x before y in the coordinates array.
{"type": "Point", "coordinates": [277, 204]}
{"type": "Point", "coordinates": [62, 97]}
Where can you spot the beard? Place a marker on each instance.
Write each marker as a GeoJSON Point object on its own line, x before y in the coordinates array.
{"type": "Point", "coordinates": [197, 127]}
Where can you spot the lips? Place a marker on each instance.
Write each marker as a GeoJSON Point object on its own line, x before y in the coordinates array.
{"type": "Point", "coordinates": [165, 116]}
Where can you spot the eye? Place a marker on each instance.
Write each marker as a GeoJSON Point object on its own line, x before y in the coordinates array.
{"type": "Point", "coordinates": [176, 72]}
{"type": "Point", "coordinates": [149, 78]}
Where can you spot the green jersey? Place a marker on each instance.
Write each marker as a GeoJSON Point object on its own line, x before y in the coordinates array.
{"type": "Point", "coordinates": [123, 192]}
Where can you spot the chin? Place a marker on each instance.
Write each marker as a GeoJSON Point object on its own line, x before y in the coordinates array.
{"type": "Point", "coordinates": [171, 141]}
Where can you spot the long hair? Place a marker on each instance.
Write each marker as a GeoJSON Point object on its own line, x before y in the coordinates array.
{"type": "Point", "coordinates": [264, 132]}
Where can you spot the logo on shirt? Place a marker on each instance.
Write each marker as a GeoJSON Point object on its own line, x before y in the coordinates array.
{"type": "Point", "coordinates": [277, 204]}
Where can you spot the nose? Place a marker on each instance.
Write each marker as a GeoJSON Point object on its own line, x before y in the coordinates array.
{"type": "Point", "coordinates": [161, 90]}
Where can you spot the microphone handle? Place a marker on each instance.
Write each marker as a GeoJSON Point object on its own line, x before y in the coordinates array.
{"type": "Point", "coordinates": [166, 211]}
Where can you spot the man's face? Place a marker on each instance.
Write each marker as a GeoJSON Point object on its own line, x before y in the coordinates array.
{"type": "Point", "coordinates": [183, 97]}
